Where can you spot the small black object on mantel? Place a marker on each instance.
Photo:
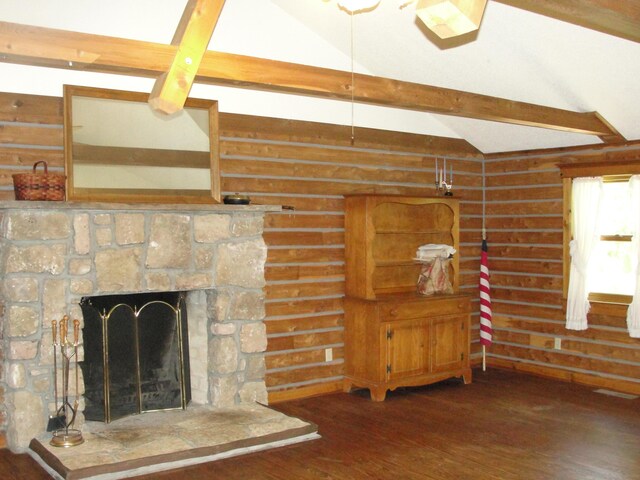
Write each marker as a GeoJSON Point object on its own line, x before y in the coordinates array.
{"type": "Point", "coordinates": [236, 199]}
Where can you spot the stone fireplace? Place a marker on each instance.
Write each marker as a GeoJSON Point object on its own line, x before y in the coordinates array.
{"type": "Point", "coordinates": [53, 254]}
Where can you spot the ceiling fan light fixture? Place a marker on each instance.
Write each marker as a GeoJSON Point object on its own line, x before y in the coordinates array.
{"type": "Point", "coordinates": [356, 6]}
{"type": "Point", "coordinates": [450, 18]}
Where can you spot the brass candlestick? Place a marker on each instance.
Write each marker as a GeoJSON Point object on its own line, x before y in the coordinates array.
{"type": "Point", "coordinates": [443, 186]}
{"type": "Point", "coordinates": [66, 413]}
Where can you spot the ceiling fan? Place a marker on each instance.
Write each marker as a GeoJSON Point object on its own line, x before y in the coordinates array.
{"type": "Point", "coordinates": [445, 18]}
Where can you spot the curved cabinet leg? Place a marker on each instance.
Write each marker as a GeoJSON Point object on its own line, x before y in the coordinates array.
{"type": "Point", "coordinates": [378, 394]}
{"type": "Point", "coordinates": [347, 385]}
{"type": "Point", "coordinates": [466, 377]}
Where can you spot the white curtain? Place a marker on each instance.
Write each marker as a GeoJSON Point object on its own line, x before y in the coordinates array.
{"type": "Point", "coordinates": [633, 313]}
{"type": "Point", "coordinates": [585, 207]}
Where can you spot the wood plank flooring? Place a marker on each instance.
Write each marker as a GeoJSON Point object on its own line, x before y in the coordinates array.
{"type": "Point", "coordinates": [505, 425]}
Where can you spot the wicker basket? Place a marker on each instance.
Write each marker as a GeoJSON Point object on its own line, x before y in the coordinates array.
{"type": "Point", "coordinates": [39, 186]}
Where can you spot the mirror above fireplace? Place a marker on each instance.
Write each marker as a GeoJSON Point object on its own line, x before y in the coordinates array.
{"type": "Point", "coordinates": [117, 149]}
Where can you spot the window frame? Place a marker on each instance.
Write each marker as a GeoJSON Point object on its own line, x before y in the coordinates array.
{"type": "Point", "coordinates": [611, 172]}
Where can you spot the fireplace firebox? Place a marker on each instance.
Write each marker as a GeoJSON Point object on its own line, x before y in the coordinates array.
{"type": "Point", "coordinates": [136, 354]}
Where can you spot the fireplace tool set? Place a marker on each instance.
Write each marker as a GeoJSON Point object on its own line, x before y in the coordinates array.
{"type": "Point", "coordinates": [61, 424]}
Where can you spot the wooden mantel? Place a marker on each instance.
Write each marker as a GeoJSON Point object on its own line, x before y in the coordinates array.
{"type": "Point", "coordinates": [64, 49]}
{"type": "Point", "coordinates": [21, 205]}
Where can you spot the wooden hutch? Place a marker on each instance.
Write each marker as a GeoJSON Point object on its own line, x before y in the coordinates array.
{"type": "Point", "coordinates": [393, 336]}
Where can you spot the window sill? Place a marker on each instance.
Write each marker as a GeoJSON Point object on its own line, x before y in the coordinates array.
{"type": "Point", "coordinates": [610, 298]}
{"type": "Point", "coordinates": [609, 309]}
{"type": "Point", "coordinates": [602, 307]}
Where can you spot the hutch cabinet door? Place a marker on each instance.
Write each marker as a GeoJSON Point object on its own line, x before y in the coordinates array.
{"type": "Point", "coordinates": [408, 348]}
{"type": "Point", "coordinates": [449, 343]}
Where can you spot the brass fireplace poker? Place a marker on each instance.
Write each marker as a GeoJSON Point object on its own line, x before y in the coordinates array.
{"type": "Point", "coordinates": [64, 435]}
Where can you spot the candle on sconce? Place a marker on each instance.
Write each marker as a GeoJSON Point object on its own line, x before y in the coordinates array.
{"type": "Point", "coordinates": [444, 170]}
{"type": "Point", "coordinates": [436, 169]}
{"type": "Point", "coordinates": [451, 175]}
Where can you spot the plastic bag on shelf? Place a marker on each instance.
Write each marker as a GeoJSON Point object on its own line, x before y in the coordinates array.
{"type": "Point", "coordinates": [434, 277]}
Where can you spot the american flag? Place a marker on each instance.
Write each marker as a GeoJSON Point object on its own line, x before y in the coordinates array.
{"type": "Point", "coordinates": [486, 330]}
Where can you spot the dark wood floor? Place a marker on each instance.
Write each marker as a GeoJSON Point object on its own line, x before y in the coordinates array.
{"type": "Point", "coordinates": [503, 426]}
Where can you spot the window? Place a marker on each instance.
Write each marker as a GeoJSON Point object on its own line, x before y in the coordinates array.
{"type": "Point", "coordinates": [610, 276]}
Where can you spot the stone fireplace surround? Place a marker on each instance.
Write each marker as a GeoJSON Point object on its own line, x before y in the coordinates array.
{"type": "Point", "coordinates": [54, 253]}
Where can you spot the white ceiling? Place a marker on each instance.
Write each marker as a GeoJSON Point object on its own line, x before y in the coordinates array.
{"type": "Point", "coordinates": [517, 55]}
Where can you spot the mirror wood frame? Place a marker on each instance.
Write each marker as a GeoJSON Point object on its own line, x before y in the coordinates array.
{"type": "Point", "coordinates": [139, 195]}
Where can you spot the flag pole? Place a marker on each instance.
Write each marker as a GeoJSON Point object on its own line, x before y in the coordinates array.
{"type": "Point", "coordinates": [484, 237]}
{"type": "Point", "coordinates": [484, 358]}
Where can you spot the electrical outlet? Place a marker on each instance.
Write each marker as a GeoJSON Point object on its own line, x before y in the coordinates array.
{"type": "Point", "coordinates": [557, 343]}
{"type": "Point", "coordinates": [328, 354]}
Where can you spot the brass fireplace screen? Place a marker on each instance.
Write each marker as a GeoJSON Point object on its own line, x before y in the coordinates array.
{"type": "Point", "coordinates": [136, 354]}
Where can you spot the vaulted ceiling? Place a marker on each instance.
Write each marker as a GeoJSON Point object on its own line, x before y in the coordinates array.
{"type": "Point", "coordinates": [517, 55]}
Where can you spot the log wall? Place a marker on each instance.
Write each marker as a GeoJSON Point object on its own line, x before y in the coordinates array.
{"type": "Point", "coordinates": [525, 224]}
{"type": "Point", "coordinates": [308, 166]}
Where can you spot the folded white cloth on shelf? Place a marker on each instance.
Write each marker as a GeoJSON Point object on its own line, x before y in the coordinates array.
{"type": "Point", "coordinates": [432, 250]}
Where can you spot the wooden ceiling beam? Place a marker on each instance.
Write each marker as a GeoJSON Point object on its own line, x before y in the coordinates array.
{"type": "Point", "coordinates": [192, 38]}
{"type": "Point", "coordinates": [63, 49]}
{"type": "Point", "coordinates": [620, 18]}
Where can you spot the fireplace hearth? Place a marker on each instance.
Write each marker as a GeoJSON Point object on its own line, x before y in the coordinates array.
{"type": "Point", "coordinates": [169, 439]}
